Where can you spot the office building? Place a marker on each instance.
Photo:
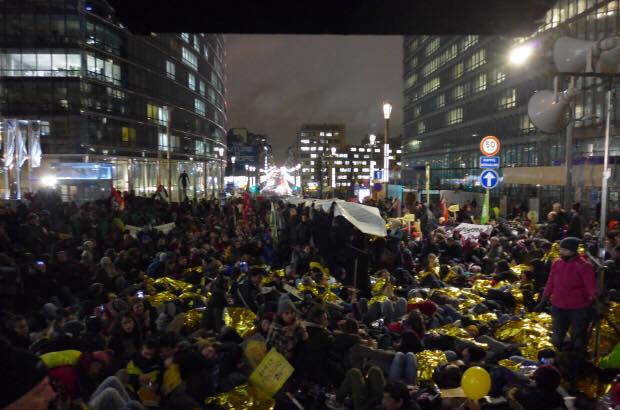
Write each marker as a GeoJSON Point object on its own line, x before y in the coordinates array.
{"type": "Point", "coordinates": [252, 154]}
{"type": "Point", "coordinates": [458, 89]}
{"type": "Point", "coordinates": [327, 165]}
{"type": "Point", "coordinates": [109, 107]}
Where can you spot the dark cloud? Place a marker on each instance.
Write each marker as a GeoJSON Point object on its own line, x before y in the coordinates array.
{"type": "Point", "coordinates": [276, 83]}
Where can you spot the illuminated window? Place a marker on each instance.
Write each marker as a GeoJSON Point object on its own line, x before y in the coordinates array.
{"type": "Point", "coordinates": [421, 127]}
{"type": "Point", "coordinates": [508, 99]}
{"type": "Point", "coordinates": [104, 70]}
{"type": "Point", "coordinates": [305, 148]}
{"type": "Point", "coordinates": [185, 37]}
{"type": "Point", "coordinates": [170, 69]}
{"type": "Point", "coordinates": [191, 81]}
{"type": "Point", "coordinates": [430, 86]}
{"type": "Point", "coordinates": [499, 77]}
{"type": "Point", "coordinates": [196, 44]}
{"type": "Point", "coordinates": [480, 83]}
{"type": "Point", "coordinates": [128, 135]}
{"type": "Point", "coordinates": [203, 88]}
{"type": "Point", "coordinates": [189, 58]}
{"type": "Point", "coordinates": [458, 70]}
{"type": "Point", "coordinates": [468, 41]}
{"type": "Point", "coordinates": [40, 65]}
{"type": "Point", "coordinates": [313, 156]}
{"type": "Point", "coordinates": [156, 114]}
{"type": "Point", "coordinates": [455, 116]}
{"type": "Point", "coordinates": [163, 141]}
{"type": "Point", "coordinates": [305, 141]}
{"type": "Point", "coordinates": [353, 149]}
{"type": "Point", "coordinates": [525, 123]}
{"type": "Point", "coordinates": [200, 147]}
{"type": "Point", "coordinates": [441, 100]}
{"type": "Point", "coordinates": [411, 80]}
{"type": "Point", "coordinates": [431, 47]}
{"type": "Point", "coordinates": [458, 92]}
{"type": "Point", "coordinates": [476, 60]}
{"type": "Point", "coordinates": [205, 52]}
{"type": "Point", "coordinates": [199, 107]}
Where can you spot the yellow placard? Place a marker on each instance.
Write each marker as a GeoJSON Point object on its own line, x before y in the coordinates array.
{"type": "Point", "coordinates": [255, 351]}
{"type": "Point", "coordinates": [272, 372]}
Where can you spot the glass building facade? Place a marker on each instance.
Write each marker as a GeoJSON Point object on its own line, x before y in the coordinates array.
{"type": "Point", "coordinates": [149, 106]}
{"type": "Point", "coordinates": [458, 89]}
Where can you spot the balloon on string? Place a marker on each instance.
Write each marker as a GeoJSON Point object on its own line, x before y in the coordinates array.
{"type": "Point", "coordinates": [476, 383]}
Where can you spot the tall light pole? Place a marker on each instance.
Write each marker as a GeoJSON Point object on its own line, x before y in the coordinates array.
{"type": "Point", "coordinates": [333, 151]}
{"type": "Point", "coordinates": [232, 161]}
{"type": "Point", "coordinates": [168, 147]}
{"type": "Point", "coordinates": [372, 138]}
{"type": "Point", "coordinates": [387, 110]}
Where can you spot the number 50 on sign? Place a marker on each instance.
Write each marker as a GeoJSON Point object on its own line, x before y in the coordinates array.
{"type": "Point", "coordinates": [489, 146]}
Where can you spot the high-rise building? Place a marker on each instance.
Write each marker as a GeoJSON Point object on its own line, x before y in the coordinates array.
{"type": "Point", "coordinates": [459, 89]}
{"type": "Point", "coordinates": [250, 150]}
{"type": "Point", "coordinates": [111, 108]}
{"type": "Point", "coordinates": [328, 164]}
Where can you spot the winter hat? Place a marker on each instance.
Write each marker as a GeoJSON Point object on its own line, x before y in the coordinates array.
{"type": "Point", "coordinates": [285, 305]}
{"type": "Point", "coordinates": [547, 377]}
{"type": "Point", "coordinates": [21, 372]}
{"type": "Point", "coordinates": [570, 244]}
{"type": "Point", "coordinates": [74, 328]}
{"type": "Point", "coordinates": [427, 307]}
{"type": "Point", "coordinates": [119, 305]}
{"type": "Point", "coordinates": [49, 311]}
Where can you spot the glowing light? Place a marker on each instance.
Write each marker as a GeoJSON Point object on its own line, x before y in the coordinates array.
{"type": "Point", "coordinates": [520, 54]}
{"type": "Point", "coordinates": [49, 180]}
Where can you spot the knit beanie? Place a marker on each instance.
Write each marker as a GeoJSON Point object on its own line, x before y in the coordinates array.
{"type": "Point", "coordinates": [49, 311]}
{"type": "Point", "coordinates": [570, 244]}
{"type": "Point", "coordinates": [427, 307]}
{"type": "Point", "coordinates": [285, 305]}
{"type": "Point", "coordinates": [21, 372]}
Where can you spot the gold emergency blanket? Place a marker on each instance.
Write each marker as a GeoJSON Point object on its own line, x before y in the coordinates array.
{"type": "Point", "coordinates": [240, 319]}
{"type": "Point", "coordinates": [609, 337]}
{"type": "Point", "coordinates": [533, 333]}
{"type": "Point", "coordinates": [172, 285]}
{"type": "Point", "coordinates": [428, 361]}
{"type": "Point", "coordinates": [244, 397]}
{"type": "Point", "coordinates": [192, 319]}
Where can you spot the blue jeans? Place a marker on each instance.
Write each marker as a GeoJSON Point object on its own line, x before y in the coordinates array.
{"type": "Point", "coordinates": [577, 320]}
{"type": "Point", "coordinates": [404, 367]}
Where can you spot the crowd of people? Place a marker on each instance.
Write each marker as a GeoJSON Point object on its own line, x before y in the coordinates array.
{"type": "Point", "coordinates": [137, 303]}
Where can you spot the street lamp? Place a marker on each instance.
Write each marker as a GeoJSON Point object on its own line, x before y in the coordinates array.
{"type": "Point", "coordinates": [247, 177]}
{"type": "Point", "coordinates": [550, 111]}
{"type": "Point", "coordinates": [232, 161]}
{"type": "Point", "coordinates": [387, 110]}
{"type": "Point", "coordinates": [520, 54]}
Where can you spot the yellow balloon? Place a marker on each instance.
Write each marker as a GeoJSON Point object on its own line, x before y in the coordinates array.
{"type": "Point", "coordinates": [476, 383]}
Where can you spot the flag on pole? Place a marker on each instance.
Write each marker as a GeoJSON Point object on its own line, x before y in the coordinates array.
{"type": "Point", "coordinates": [484, 219]}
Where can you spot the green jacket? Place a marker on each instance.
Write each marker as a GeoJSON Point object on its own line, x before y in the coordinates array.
{"type": "Point", "coordinates": [612, 360]}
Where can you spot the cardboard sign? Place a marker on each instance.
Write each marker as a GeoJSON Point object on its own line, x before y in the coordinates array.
{"type": "Point", "coordinates": [472, 231]}
{"type": "Point", "coordinates": [293, 291]}
{"type": "Point", "coordinates": [255, 351]}
{"type": "Point", "coordinates": [272, 372]}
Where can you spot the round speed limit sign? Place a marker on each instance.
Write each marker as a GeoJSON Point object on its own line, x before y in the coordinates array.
{"type": "Point", "coordinates": [489, 146]}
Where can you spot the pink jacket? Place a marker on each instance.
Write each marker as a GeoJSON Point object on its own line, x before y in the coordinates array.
{"type": "Point", "coordinates": [572, 284]}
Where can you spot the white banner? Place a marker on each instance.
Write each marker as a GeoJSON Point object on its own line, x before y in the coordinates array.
{"type": "Point", "coordinates": [9, 143]}
{"type": "Point", "coordinates": [20, 143]}
{"type": "Point", "coordinates": [34, 144]}
{"type": "Point", "coordinates": [471, 231]}
{"type": "Point", "coordinates": [365, 218]}
{"type": "Point", "coordinates": [135, 230]}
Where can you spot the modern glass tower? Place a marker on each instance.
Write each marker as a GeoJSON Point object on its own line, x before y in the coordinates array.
{"type": "Point", "coordinates": [109, 107]}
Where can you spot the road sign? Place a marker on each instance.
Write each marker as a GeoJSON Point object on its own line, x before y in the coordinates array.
{"type": "Point", "coordinates": [489, 146]}
{"type": "Point", "coordinates": [378, 175]}
{"type": "Point", "coordinates": [489, 162]}
{"type": "Point", "coordinates": [489, 179]}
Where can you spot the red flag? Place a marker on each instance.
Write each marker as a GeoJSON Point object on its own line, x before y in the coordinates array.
{"type": "Point", "coordinates": [444, 207]}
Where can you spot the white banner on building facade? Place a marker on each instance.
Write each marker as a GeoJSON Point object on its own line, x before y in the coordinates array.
{"type": "Point", "coordinates": [34, 144]}
{"type": "Point", "coordinates": [9, 143]}
{"type": "Point", "coordinates": [20, 144]}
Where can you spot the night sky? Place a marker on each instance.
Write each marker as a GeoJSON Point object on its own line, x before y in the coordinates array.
{"type": "Point", "coordinates": [276, 83]}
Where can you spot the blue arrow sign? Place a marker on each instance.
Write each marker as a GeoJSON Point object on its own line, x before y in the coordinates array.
{"type": "Point", "coordinates": [489, 179]}
{"type": "Point", "coordinates": [489, 162]}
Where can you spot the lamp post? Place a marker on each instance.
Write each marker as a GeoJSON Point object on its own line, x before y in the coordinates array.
{"type": "Point", "coordinates": [387, 110]}
{"type": "Point", "coordinates": [232, 161]}
{"type": "Point", "coordinates": [333, 157]}
{"type": "Point", "coordinates": [372, 138]}
{"type": "Point", "coordinates": [247, 177]}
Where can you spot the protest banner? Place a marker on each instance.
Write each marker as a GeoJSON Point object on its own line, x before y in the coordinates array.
{"type": "Point", "coordinates": [272, 372]}
{"type": "Point", "coordinates": [472, 231]}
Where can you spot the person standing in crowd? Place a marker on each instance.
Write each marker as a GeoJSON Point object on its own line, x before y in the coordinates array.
{"type": "Point", "coordinates": [575, 226]}
{"type": "Point", "coordinates": [571, 287]}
